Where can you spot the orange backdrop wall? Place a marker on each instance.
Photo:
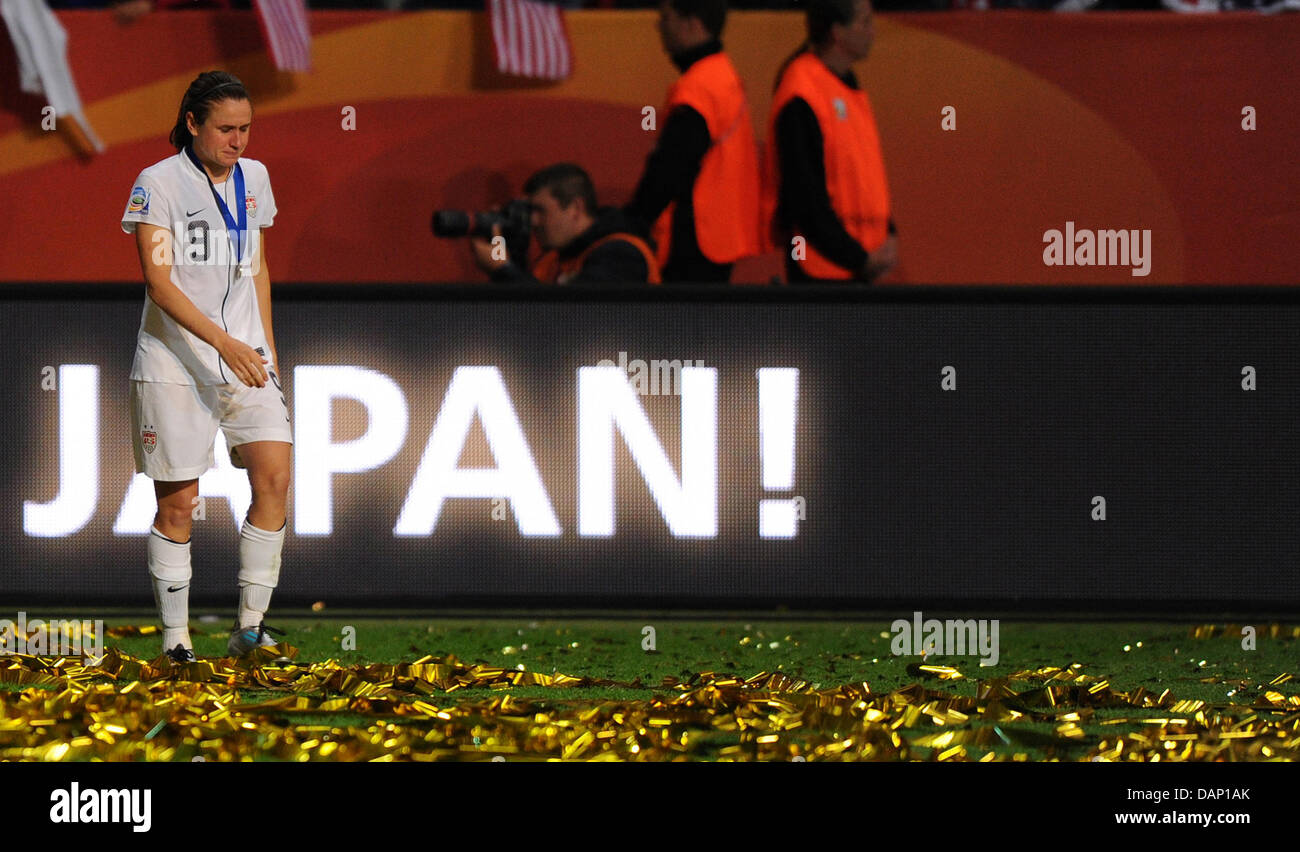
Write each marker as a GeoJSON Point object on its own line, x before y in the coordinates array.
{"type": "Point", "coordinates": [1107, 120]}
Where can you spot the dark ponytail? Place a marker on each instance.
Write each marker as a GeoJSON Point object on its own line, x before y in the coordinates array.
{"type": "Point", "coordinates": [776, 84]}
{"type": "Point", "coordinates": [821, 16]}
{"type": "Point", "coordinates": [208, 89]}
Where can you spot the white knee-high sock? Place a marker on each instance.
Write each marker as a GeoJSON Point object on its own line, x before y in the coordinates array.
{"type": "Point", "coordinates": [259, 571]}
{"type": "Point", "coordinates": [169, 567]}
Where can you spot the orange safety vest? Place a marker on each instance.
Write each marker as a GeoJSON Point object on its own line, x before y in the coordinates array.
{"type": "Point", "coordinates": [550, 269]}
{"type": "Point", "coordinates": [726, 193]}
{"type": "Point", "coordinates": [855, 169]}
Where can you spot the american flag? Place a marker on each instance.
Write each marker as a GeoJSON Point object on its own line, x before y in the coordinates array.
{"type": "Point", "coordinates": [284, 23]}
{"type": "Point", "coordinates": [530, 39]}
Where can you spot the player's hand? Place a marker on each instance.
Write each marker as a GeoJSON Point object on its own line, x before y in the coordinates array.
{"type": "Point", "coordinates": [243, 360]}
{"type": "Point", "coordinates": [882, 260]}
{"type": "Point", "coordinates": [484, 249]}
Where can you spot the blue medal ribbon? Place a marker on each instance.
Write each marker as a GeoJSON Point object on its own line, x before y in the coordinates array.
{"type": "Point", "coordinates": [237, 228]}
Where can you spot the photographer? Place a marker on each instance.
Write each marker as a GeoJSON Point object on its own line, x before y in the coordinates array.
{"type": "Point", "coordinates": [581, 243]}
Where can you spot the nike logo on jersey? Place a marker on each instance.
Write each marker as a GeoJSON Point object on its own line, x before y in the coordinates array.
{"type": "Point", "coordinates": [177, 588]}
{"type": "Point", "coordinates": [200, 210]}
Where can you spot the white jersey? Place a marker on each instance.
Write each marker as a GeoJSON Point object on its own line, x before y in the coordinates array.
{"type": "Point", "coordinates": [175, 194]}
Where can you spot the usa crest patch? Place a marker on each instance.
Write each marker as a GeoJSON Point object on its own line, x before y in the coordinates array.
{"type": "Point", "coordinates": [250, 204]}
{"type": "Point", "coordinates": [149, 440]}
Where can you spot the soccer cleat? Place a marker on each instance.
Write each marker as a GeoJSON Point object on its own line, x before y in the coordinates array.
{"type": "Point", "coordinates": [181, 655]}
{"type": "Point", "coordinates": [243, 640]}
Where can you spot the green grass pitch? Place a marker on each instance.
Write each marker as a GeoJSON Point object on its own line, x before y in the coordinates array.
{"type": "Point", "coordinates": [1221, 670]}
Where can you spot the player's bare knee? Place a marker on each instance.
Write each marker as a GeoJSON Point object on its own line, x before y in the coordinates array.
{"type": "Point", "coordinates": [270, 487]}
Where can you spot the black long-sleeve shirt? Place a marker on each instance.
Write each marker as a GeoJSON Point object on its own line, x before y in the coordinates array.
{"type": "Point", "coordinates": [804, 205]}
{"type": "Point", "coordinates": [670, 172]}
{"type": "Point", "coordinates": [616, 262]}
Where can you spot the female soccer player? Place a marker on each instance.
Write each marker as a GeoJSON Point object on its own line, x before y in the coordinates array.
{"type": "Point", "coordinates": [205, 356]}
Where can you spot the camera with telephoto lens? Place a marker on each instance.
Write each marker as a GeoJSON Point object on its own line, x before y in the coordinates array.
{"type": "Point", "coordinates": [515, 220]}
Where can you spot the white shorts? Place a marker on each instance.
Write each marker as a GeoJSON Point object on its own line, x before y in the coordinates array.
{"type": "Point", "coordinates": [174, 427]}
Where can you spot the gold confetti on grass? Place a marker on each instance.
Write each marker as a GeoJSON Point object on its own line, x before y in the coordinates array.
{"type": "Point", "coordinates": [1269, 631]}
{"type": "Point", "coordinates": [124, 708]}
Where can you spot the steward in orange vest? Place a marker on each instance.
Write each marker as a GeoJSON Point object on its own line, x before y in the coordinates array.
{"type": "Point", "coordinates": [824, 175]}
{"type": "Point", "coordinates": [701, 184]}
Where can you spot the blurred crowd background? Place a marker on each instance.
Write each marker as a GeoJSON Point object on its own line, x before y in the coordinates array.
{"type": "Point", "coordinates": [138, 7]}
{"type": "Point", "coordinates": [997, 127]}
